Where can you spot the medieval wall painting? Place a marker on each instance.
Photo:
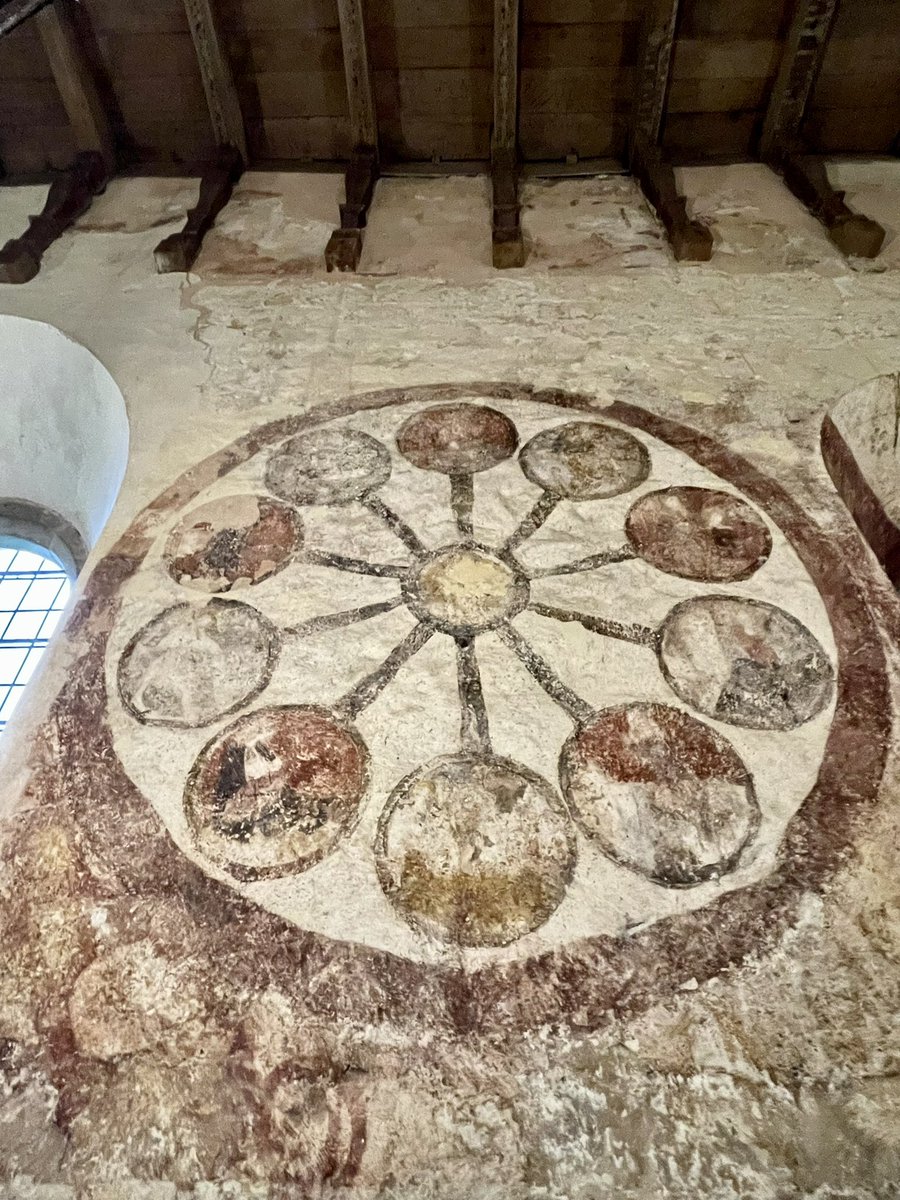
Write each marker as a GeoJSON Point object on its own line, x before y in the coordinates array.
{"type": "Point", "coordinates": [481, 676]}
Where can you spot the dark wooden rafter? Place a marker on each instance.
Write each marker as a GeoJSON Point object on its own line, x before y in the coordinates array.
{"type": "Point", "coordinates": [75, 81]}
{"type": "Point", "coordinates": [70, 195]}
{"type": "Point", "coordinates": [654, 69]}
{"type": "Point", "coordinates": [216, 74]}
{"type": "Point", "coordinates": [781, 142]}
{"type": "Point", "coordinates": [507, 243]}
{"type": "Point", "coordinates": [345, 244]}
{"type": "Point", "coordinates": [689, 239]}
{"type": "Point", "coordinates": [807, 178]}
{"type": "Point", "coordinates": [801, 61]}
{"type": "Point", "coordinates": [14, 12]}
{"type": "Point", "coordinates": [178, 251]}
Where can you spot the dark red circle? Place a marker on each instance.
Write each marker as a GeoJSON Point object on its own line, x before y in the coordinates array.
{"type": "Point", "coordinates": [458, 439]}
{"type": "Point", "coordinates": [699, 533]}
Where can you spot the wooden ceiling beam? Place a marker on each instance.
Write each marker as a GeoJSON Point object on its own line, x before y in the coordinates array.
{"type": "Point", "coordinates": [781, 142]}
{"type": "Point", "coordinates": [345, 244]}
{"type": "Point", "coordinates": [653, 70]}
{"type": "Point", "coordinates": [360, 94]}
{"type": "Point", "coordinates": [14, 12]}
{"type": "Point", "coordinates": [507, 242]}
{"type": "Point", "coordinates": [689, 239]}
{"type": "Point", "coordinates": [178, 251]}
{"type": "Point", "coordinates": [70, 195]}
{"type": "Point", "coordinates": [801, 61]}
{"type": "Point", "coordinates": [851, 232]}
{"type": "Point", "coordinates": [75, 81]}
{"type": "Point", "coordinates": [216, 74]}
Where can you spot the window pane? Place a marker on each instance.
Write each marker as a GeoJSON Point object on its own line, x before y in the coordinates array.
{"type": "Point", "coordinates": [11, 593]}
{"type": "Point", "coordinates": [62, 596]}
{"type": "Point", "coordinates": [43, 593]}
{"type": "Point", "coordinates": [25, 626]}
{"type": "Point", "coordinates": [34, 590]}
{"type": "Point", "coordinates": [13, 696]}
{"type": "Point", "coordinates": [11, 659]}
{"type": "Point", "coordinates": [51, 621]}
{"type": "Point", "coordinates": [31, 661]}
{"type": "Point", "coordinates": [26, 561]}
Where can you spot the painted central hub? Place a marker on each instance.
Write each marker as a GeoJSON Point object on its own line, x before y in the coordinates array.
{"type": "Point", "coordinates": [466, 589]}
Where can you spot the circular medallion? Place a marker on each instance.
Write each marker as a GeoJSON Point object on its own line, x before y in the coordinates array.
{"type": "Point", "coordinates": [193, 664]}
{"type": "Point", "coordinates": [450, 766]}
{"type": "Point", "coordinates": [475, 850]}
{"type": "Point", "coordinates": [466, 589]}
{"type": "Point", "coordinates": [660, 793]}
{"type": "Point", "coordinates": [328, 466]}
{"type": "Point", "coordinates": [276, 791]}
{"type": "Point", "coordinates": [457, 439]}
{"type": "Point", "coordinates": [232, 542]}
{"type": "Point", "coordinates": [585, 461]}
{"type": "Point", "coordinates": [745, 662]}
{"type": "Point", "coordinates": [698, 533]}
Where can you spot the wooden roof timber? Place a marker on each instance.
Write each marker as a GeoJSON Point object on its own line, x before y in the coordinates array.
{"type": "Point", "coordinates": [655, 62]}
{"type": "Point", "coordinates": [216, 74]}
{"type": "Point", "coordinates": [689, 239]}
{"type": "Point", "coordinates": [75, 81]}
{"type": "Point", "coordinates": [781, 141]}
{"type": "Point", "coordinates": [14, 12]}
{"type": "Point", "coordinates": [71, 194]}
{"type": "Point", "coordinates": [345, 244]}
{"type": "Point", "coordinates": [430, 70]}
{"type": "Point", "coordinates": [178, 251]}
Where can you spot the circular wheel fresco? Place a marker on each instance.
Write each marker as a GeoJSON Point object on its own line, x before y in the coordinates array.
{"type": "Point", "coordinates": [504, 682]}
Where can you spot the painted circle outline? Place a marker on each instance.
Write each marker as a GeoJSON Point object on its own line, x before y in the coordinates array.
{"type": "Point", "coordinates": [275, 644]}
{"type": "Point", "coordinates": [645, 463]}
{"type": "Point", "coordinates": [240, 871]}
{"type": "Point", "coordinates": [584, 983]}
{"type": "Point", "coordinates": [726, 866]}
{"type": "Point", "coordinates": [409, 587]}
{"type": "Point", "coordinates": [168, 555]}
{"type": "Point", "coordinates": [693, 601]}
{"type": "Point", "coordinates": [550, 794]}
{"type": "Point", "coordinates": [359, 492]}
{"type": "Point", "coordinates": [633, 541]}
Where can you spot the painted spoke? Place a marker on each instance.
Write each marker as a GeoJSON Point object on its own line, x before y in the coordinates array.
{"type": "Point", "coordinates": [368, 689]}
{"type": "Point", "coordinates": [542, 509]}
{"type": "Point", "coordinates": [396, 524]}
{"type": "Point", "coordinates": [641, 635]}
{"type": "Point", "coordinates": [603, 559]}
{"type": "Point", "coordinates": [474, 732]}
{"type": "Point", "coordinates": [542, 673]}
{"type": "Point", "coordinates": [358, 566]}
{"type": "Point", "coordinates": [462, 498]}
{"type": "Point", "coordinates": [340, 619]}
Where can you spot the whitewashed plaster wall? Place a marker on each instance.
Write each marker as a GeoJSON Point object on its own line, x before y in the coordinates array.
{"type": "Point", "coordinates": [63, 427]}
{"type": "Point", "coordinates": [779, 322]}
{"type": "Point", "coordinates": [766, 337]}
{"type": "Point", "coordinates": [755, 346]}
